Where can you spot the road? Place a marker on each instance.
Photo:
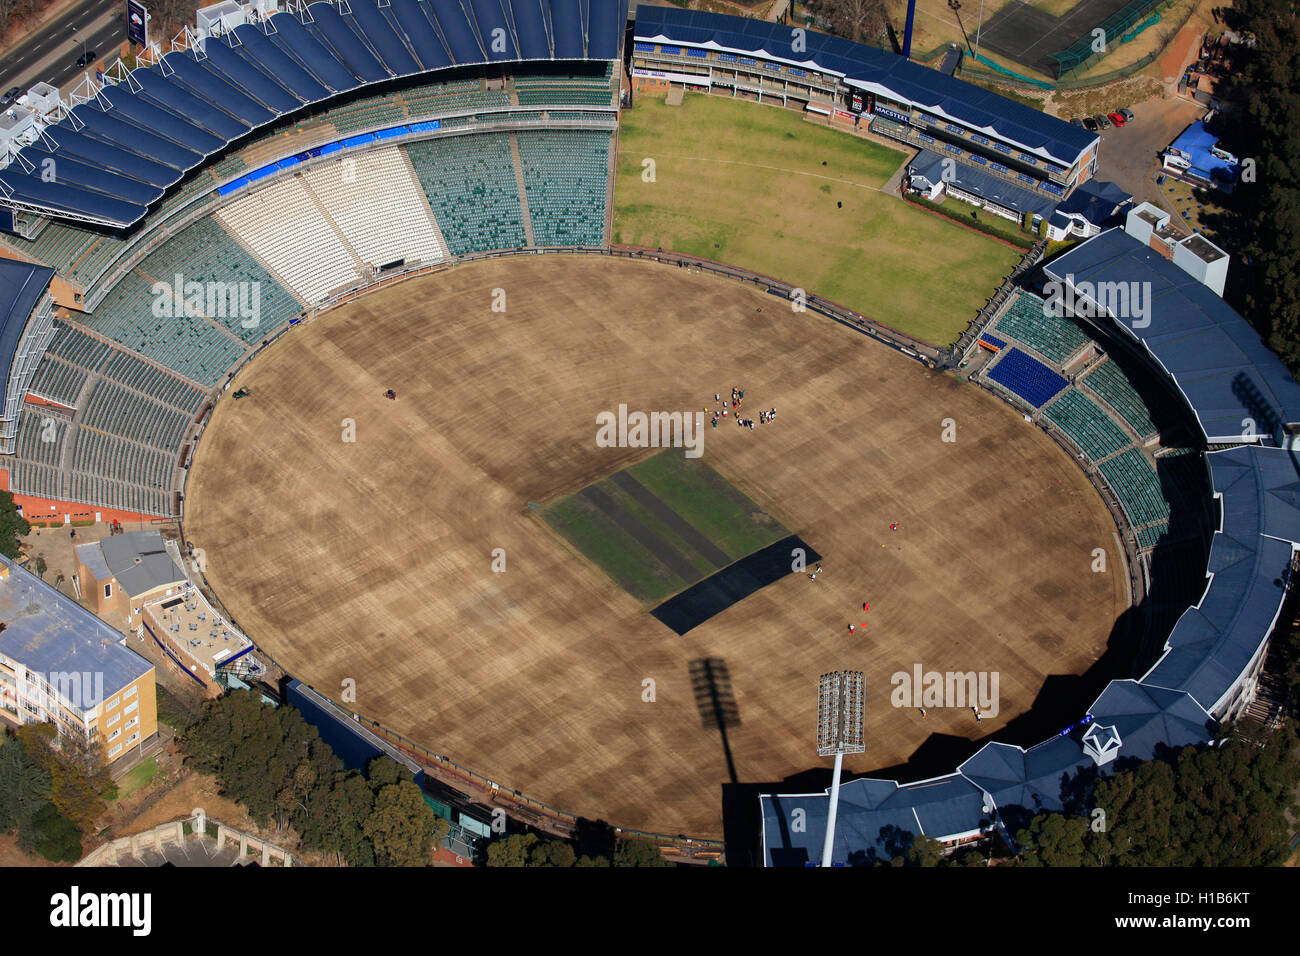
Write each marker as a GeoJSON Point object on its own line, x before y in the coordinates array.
{"type": "Point", "coordinates": [51, 53]}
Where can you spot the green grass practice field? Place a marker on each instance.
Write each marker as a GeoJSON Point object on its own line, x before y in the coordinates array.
{"type": "Point", "coordinates": [662, 525]}
{"type": "Point", "coordinates": [744, 184]}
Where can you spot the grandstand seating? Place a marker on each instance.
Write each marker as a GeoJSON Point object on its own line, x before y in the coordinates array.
{"type": "Point", "coordinates": [470, 183]}
{"type": "Point", "coordinates": [58, 381]}
{"type": "Point", "coordinates": [40, 437]}
{"type": "Point", "coordinates": [565, 97]}
{"type": "Point", "coordinates": [1114, 388]}
{"type": "Point", "coordinates": [1134, 482]}
{"type": "Point", "coordinates": [1027, 377]}
{"type": "Point", "coordinates": [378, 206]}
{"type": "Point", "coordinates": [104, 492]}
{"type": "Point", "coordinates": [1054, 338]}
{"type": "Point", "coordinates": [315, 262]}
{"type": "Point", "coordinates": [206, 253]}
{"type": "Point", "coordinates": [566, 176]}
{"type": "Point", "coordinates": [31, 478]}
{"type": "Point", "coordinates": [76, 253]}
{"type": "Point", "coordinates": [100, 454]}
{"type": "Point", "coordinates": [113, 409]}
{"type": "Point", "coordinates": [368, 113]}
{"type": "Point", "coordinates": [1090, 428]}
{"type": "Point", "coordinates": [191, 346]}
{"type": "Point", "coordinates": [430, 99]}
{"type": "Point", "coordinates": [1149, 537]}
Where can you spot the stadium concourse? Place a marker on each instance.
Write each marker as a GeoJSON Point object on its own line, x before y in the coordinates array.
{"type": "Point", "coordinates": [390, 138]}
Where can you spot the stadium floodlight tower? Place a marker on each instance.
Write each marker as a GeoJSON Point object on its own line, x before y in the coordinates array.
{"type": "Point", "coordinates": [840, 704]}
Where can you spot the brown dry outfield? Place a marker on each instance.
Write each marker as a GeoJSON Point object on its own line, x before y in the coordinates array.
{"type": "Point", "coordinates": [372, 560]}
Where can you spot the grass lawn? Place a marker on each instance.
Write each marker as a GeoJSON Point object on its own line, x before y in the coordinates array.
{"type": "Point", "coordinates": [709, 503]}
{"type": "Point", "coordinates": [758, 187]}
{"type": "Point", "coordinates": [692, 491]}
{"type": "Point", "coordinates": [136, 778]}
{"type": "Point", "coordinates": [1005, 228]}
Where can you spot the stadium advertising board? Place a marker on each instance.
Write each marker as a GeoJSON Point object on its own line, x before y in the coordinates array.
{"type": "Point", "coordinates": [137, 23]}
{"type": "Point", "coordinates": [892, 114]}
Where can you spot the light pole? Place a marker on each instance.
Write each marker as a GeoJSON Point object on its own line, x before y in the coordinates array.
{"type": "Point", "coordinates": [955, 6]}
{"type": "Point", "coordinates": [978, 28]}
{"type": "Point", "coordinates": [83, 44]}
{"type": "Point", "coordinates": [840, 704]}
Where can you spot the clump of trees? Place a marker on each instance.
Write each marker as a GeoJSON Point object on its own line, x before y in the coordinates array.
{"type": "Point", "coordinates": [529, 850]}
{"type": "Point", "coordinates": [12, 526]}
{"type": "Point", "coordinates": [1206, 806]}
{"type": "Point", "coordinates": [1268, 87]}
{"type": "Point", "coordinates": [52, 790]}
{"type": "Point", "coordinates": [275, 764]}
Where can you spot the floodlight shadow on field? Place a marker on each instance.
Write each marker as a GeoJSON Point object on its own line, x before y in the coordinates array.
{"type": "Point", "coordinates": [716, 702]}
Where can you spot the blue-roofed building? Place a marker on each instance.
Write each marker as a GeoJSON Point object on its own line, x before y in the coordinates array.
{"type": "Point", "coordinates": [934, 176]}
{"type": "Point", "coordinates": [1195, 156]}
{"type": "Point", "coordinates": [875, 821]}
{"type": "Point", "coordinates": [850, 83]}
{"type": "Point", "coordinates": [61, 664]}
{"type": "Point", "coordinates": [1216, 650]}
{"type": "Point", "coordinates": [1127, 722]}
{"type": "Point", "coordinates": [26, 327]}
{"type": "Point", "coordinates": [1238, 390]}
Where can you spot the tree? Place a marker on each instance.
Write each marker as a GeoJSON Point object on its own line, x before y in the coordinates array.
{"type": "Point", "coordinates": [60, 839]}
{"type": "Point", "coordinates": [1202, 806]}
{"type": "Point", "coordinates": [80, 785]}
{"type": "Point", "coordinates": [400, 826]}
{"type": "Point", "coordinates": [24, 790]}
{"type": "Point", "coordinates": [1268, 87]}
{"type": "Point", "coordinates": [859, 20]}
{"type": "Point", "coordinates": [40, 566]}
{"type": "Point", "coordinates": [12, 526]}
{"type": "Point", "coordinates": [639, 853]}
{"type": "Point", "coordinates": [512, 850]}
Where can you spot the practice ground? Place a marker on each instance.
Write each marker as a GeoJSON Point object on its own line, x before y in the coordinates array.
{"type": "Point", "coordinates": [372, 559]}
{"type": "Point", "coordinates": [747, 186]}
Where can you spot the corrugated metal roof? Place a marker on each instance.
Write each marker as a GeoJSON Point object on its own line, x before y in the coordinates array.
{"type": "Point", "coordinates": [49, 633]}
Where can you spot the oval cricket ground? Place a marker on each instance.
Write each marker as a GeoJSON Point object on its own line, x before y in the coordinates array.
{"type": "Point", "coordinates": [372, 559]}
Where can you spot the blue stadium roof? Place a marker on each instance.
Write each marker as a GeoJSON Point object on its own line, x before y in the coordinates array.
{"type": "Point", "coordinates": [133, 141]}
{"type": "Point", "coordinates": [871, 815]}
{"type": "Point", "coordinates": [1148, 718]}
{"type": "Point", "coordinates": [929, 165]}
{"type": "Point", "coordinates": [1250, 558]}
{"type": "Point", "coordinates": [1032, 779]}
{"type": "Point", "coordinates": [876, 71]}
{"type": "Point", "coordinates": [49, 632]}
{"type": "Point", "coordinates": [1213, 355]}
{"type": "Point", "coordinates": [1094, 201]}
{"type": "Point", "coordinates": [21, 287]}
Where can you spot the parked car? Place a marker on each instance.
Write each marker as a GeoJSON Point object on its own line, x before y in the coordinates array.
{"type": "Point", "coordinates": [11, 94]}
{"type": "Point", "coordinates": [1090, 124]}
{"type": "Point", "coordinates": [1118, 118]}
{"type": "Point", "coordinates": [1076, 122]}
{"type": "Point", "coordinates": [1127, 114]}
{"type": "Point", "coordinates": [1102, 121]}
{"type": "Point", "coordinates": [86, 58]}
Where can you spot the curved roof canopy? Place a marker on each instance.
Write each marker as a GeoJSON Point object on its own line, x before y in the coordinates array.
{"type": "Point", "coordinates": [128, 144]}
